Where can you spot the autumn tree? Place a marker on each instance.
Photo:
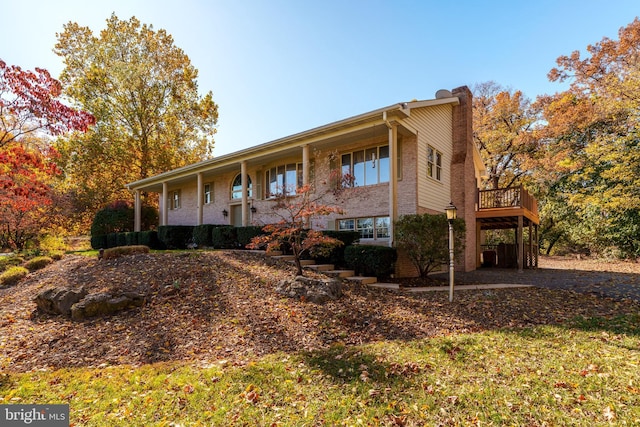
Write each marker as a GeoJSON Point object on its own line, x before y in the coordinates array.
{"type": "Point", "coordinates": [143, 92]}
{"type": "Point", "coordinates": [592, 143]}
{"type": "Point", "coordinates": [503, 122]}
{"type": "Point", "coordinates": [31, 103]}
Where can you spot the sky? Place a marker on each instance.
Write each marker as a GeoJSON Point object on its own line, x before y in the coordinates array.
{"type": "Point", "coordinates": [280, 67]}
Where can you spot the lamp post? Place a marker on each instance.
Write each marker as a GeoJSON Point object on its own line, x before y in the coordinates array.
{"type": "Point", "coordinates": [452, 214]}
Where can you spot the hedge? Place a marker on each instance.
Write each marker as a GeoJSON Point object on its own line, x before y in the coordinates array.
{"type": "Point", "coordinates": [224, 237]}
{"type": "Point", "coordinates": [336, 257]}
{"type": "Point", "coordinates": [175, 236]}
{"type": "Point", "coordinates": [131, 238]}
{"type": "Point", "coordinates": [245, 234]}
{"type": "Point", "coordinates": [12, 276]}
{"type": "Point", "coordinates": [371, 260]}
{"type": "Point", "coordinates": [146, 238]}
{"type": "Point", "coordinates": [202, 234]}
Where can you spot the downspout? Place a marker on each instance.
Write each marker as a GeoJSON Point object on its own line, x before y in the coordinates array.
{"type": "Point", "coordinates": [393, 176]}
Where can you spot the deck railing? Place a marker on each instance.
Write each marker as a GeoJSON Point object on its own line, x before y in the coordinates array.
{"type": "Point", "coordinates": [511, 197]}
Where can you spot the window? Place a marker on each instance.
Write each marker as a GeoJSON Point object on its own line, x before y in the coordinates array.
{"type": "Point", "coordinates": [236, 188]}
{"type": "Point", "coordinates": [434, 163]}
{"type": "Point", "coordinates": [284, 179]}
{"type": "Point", "coordinates": [174, 200]}
{"type": "Point", "coordinates": [369, 228]}
{"type": "Point", "coordinates": [208, 193]}
{"type": "Point", "coordinates": [368, 167]}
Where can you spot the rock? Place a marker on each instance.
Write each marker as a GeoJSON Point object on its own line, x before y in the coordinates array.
{"type": "Point", "coordinates": [103, 303]}
{"type": "Point", "coordinates": [59, 300]}
{"type": "Point", "coordinates": [317, 291]}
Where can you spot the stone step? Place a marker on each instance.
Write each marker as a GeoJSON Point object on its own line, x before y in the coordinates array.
{"type": "Point", "coordinates": [321, 267]}
{"type": "Point", "coordinates": [362, 280]}
{"type": "Point", "coordinates": [339, 273]}
{"type": "Point", "coordinates": [303, 262]}
{"type": "Point", "coordinates": [284, 257]}
{"type": "Point", "coordinates": [273, 253]}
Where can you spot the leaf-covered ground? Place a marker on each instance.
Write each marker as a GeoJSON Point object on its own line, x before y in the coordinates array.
{"type": "Point", "coordinates": [214, 306]}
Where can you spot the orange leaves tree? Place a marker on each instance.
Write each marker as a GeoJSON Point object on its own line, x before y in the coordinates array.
{"type": "Point", "coordinates": [295, 214]}
{"type": "Point", "coordinates": [592, 145]}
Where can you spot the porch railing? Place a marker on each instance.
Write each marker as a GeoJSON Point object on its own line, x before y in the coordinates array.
{"type": "Point", "coordinates": [511, 197]}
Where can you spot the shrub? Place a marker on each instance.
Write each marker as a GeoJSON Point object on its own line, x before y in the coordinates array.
{"type": "Point", "coordinates": [8, 261]}
{"type": "Point", "coordinates": [52, 243]}
{"type": "Point", "coordinates": [425, 238]}
{"type": "Point", "coordinates": [131, 238]}
{"type": "Point", "coordinates": [245, 234]}
{"type": "Point", "coordinates": [202, 234]}
{"type": "Point", "coordinates": [112, 240]}
{"type": "Point", "coordinates": [119, 251]}
{"type": "Point", "coordinates": [99, 242]}
{"type": "Point", "coordinates": [336, 255]}
{"type": "Point", "coordinates": [224, 237]}
{"type": "Point", "coordinates": [12, 276]}
{"type": "Point", "coordinates": [37, 263]}
{"type": "Point", "coordinates": [371, 260]}
{"type": "Point", "coordinates": [121, 239]}
{"type": "Point", "coordinates": [115, 218]}
{"type": "Point", "coordinates": [175, 236]}
{"type": "Point", "coordinates": [150, 238]}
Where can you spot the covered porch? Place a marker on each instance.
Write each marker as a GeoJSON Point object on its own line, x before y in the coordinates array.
{"type": "Point", "coordinates": [503, 209]}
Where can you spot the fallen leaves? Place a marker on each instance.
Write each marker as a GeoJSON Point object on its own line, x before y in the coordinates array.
{"type": "Point", "coordinates": [221, 305]}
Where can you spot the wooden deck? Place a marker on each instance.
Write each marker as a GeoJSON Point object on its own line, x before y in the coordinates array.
{"type": "Point", "coordinates": [510, 208]}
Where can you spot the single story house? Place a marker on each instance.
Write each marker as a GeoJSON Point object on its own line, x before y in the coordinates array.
{"type": "Point", "coordinates": [406, 158]}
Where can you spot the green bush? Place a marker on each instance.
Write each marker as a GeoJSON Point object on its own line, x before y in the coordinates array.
{"type": "Point", "coordinates": [8, 261]}
{"type": "Point", "coordinates": [121, 239]}
{"type": "Point", "coordinates": [119, 251]}
{"type": "Point", "coordinates": [112, 240]}
{"type": "Point", "coordinates": [37, 263]}
{"type": "Point", "coordinates": [12, 276]}
{"type": "Point", "coordinates": [150, 238]}
{"type": "Point", "coordinates": [175, 236]}
{"type": "Point", "coordinates": [99, 242]}
{"type": "Point", "coordinates": [370, 260]}
{"type": "Point", "coordinates": [131, 238]}
{"type": "Point", "coordinates": [202, 234]}
{"type": "Point", "coordinates": [224, 237]}
{"type": "Point", "coordinates": [336, 256]}
{"type": "Point", "coordinates": [245, 234]}
{"type": "Point", "coordinates": [118, 217]}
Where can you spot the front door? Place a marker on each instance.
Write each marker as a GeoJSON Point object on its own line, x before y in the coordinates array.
{"type": "Point", "coordinates": [236, 215]}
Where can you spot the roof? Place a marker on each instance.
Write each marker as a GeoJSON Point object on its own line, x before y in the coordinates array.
{"type": "Point", "coordinates": [394, 112]}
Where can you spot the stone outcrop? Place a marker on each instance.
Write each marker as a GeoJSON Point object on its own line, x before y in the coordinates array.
{"type": "Point", "coordinates": [309, 289]}
{"type": "Point", "coordinates": [103, 303]}
{"type": "Point", "coordinates": [59, 300]}
{"type": "Point", "coordinates": [80, 305]}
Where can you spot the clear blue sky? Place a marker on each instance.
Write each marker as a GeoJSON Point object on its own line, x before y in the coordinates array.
{"type": "Point", "coordinates": [278, 67]}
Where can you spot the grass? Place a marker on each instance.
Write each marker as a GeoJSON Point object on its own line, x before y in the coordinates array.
{"type": "Point", "coordinates": [584, 373]}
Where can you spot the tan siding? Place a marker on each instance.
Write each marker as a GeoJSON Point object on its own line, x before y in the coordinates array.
{"type": "Point", "coordinates": [434, 125]}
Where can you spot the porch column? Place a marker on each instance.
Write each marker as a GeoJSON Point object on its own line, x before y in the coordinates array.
{"type": "Point", "coordinates": [520, 244]}
{"type": "Point", "coordinates": [531, 255]}
{"type": "Point", "coordinates": [200, 197]}
{"type": "Point", "coordinates": [245, 199]}
{"type": "Point", "coordinates": [164, 206]}
{"type": "Point", "coordinates": [305, 165]}
{"type": "Point", "coordinates": [393, 181]}
{"type": "Point", "coordinates": [478, 243]}
{"type": "Point", "coordinates": [137, 216]}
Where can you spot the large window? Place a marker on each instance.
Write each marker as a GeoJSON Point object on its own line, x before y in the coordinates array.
{"type": "Point", "coordinates": [369, 228]}
{"type": "Point", "coordinates": [236, 188]}
{"type": "Point", "coordinates": [434, 163]}
{"type": "Point", "coordinates": [283, 179]}
{"type": "Point", "coordinates": [367, 167]}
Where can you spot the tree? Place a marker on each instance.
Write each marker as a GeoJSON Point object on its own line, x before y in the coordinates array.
{"type": "Point", "coordinates": [143, 92]}
{"type": "Point", "coordinates": [30, 103]}
{"type": "Point", "coordinates": [25, 194]}
{"type": "Point", "coordinates": [425, 239]}
{"type": "Point", "coordinates": [592, 142]}
{"type": "Point", "coordinates": [503, 124]}
{"type": "Point", "coordinates": [295, 214]}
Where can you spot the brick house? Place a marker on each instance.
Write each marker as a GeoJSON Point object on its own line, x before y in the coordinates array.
{"type": "Point", "coordinates": [407, 158]}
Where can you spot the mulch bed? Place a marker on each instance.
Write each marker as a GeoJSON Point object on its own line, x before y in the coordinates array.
{"type": "Point", "coordinates": [225, 308]}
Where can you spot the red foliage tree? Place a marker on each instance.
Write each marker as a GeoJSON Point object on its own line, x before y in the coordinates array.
{"type": "Point", "coordinates": [30, 102]}
{"type": "Point", "coordinates": [25, 194]}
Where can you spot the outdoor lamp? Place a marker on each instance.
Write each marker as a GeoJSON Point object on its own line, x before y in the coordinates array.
{"type": "Point", "coordinates": [452, 214]}
{"type": "Point", "coordinates": [225, 213]}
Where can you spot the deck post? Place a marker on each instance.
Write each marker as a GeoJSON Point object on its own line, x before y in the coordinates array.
{"type": "Point", "coordinates": [520, 244]}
